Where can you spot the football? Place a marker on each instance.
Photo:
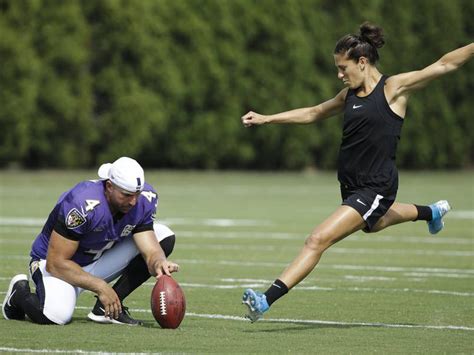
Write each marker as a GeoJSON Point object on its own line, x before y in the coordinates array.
{"type": "Point", "coordinates": [168, 304]}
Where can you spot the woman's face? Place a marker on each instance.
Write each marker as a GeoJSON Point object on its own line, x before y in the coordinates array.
{"type": "Point", "coordinates": [350, 72]}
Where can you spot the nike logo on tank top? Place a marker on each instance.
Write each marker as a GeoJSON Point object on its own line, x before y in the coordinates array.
{"type": "Point", "coordinates": [370, 137]}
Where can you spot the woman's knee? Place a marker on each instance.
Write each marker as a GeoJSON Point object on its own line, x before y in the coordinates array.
{"type": "Point", "coordinates": [318, 241]}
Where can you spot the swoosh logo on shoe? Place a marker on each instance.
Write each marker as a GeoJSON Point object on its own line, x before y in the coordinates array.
{"type": "Point", "coordinates": [9, 298]}
{"type": "Point", "coordinates": [356, 106]}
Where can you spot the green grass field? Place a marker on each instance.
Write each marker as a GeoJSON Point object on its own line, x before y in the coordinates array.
{"type": "Point", "coordinates": [398, 291]}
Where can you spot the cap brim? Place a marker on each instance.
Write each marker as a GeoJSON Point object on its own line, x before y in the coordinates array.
{"type": "Point", "coordinates": [104, 171]}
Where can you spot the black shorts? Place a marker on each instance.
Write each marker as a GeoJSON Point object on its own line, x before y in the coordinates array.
{"type": "Point", "coordinates": [371, 205]}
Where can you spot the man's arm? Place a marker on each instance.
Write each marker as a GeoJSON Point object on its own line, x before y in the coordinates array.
{"type": "Point", "coordinates": [154, 256]}
{"type": "Point", "coordinates": [302, 115]}
{"type": "Point", "coordinates": [60, 265]}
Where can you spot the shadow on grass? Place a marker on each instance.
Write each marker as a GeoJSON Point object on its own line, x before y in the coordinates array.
{"type": "Point", "coordinates": [87, 321]}
{"type": "Point", "coordinates": [298, 326]}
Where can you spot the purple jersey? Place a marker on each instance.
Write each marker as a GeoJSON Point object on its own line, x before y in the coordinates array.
{"type": "Point", "coordinates": [83, 214]}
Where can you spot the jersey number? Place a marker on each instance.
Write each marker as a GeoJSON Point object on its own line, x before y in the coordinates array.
{"type": "Point", "coordinates": [150, 195]}
{"type": "Point", "coordinates": [90, 204]}
{"type": "Point", "coordinates": [98, 253]}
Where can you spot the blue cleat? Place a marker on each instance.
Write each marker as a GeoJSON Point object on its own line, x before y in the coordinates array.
{"type": "Point", "coordinates": [438, 209]}
{"type": "Point", "coordinates": [257, 304]}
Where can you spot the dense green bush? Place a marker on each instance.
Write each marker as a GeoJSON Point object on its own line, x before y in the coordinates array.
{"type": "Point", "coordinates": [166, 81]}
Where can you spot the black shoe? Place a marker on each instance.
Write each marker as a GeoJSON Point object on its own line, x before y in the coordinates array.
{"type": "Point", "coordinates": [19, 287]}
{"type": "Point", "coordinates": [98, 315]}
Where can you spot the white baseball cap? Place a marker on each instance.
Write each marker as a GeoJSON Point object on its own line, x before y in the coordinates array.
{"type": "Point", "coordinates": [125, 172]}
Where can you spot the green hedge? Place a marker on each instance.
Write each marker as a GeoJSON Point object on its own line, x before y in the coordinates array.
{"type": "Point", "coordinates": [166, 81]}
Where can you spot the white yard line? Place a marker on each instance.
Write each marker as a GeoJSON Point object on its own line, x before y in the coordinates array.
{"type": "Point", "coordinates": [314, 321]}
{"type": "Point", "coordinates": [440, 271]}
{"type": "Point", "coordinates": [336, 250]}
{"type": "Point", "coordinates": [250, 283]}
{"type": "Point", "coordinates": [301, 236]}
{"type": "Point", "coordinates": [257, 284]}
{"type": "Point", "coordinates": [222, 235]}
{"type": "Point", "coordinates": [408, 271]}
{"type": "Point", "coordinates": [215, 222]}
{"type": "Point", "coordinates": [294, 321]}
{"type": "Point", "coordinates": [270, 248]}
{"type": "Point", "coordinates": [462, 214]}
{"type": "Point", "coordinates": [335, 323]}
{"type": "Point", "coordinates": [60, 351]}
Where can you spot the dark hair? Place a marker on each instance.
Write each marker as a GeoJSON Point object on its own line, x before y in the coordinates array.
{"type": "Point", "coordinates": [363, 45]}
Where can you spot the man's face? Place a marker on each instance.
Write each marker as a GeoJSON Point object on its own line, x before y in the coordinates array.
{"type": "Point", "coordinates": [350, 72]}
{"type": "Point", "coordinates": [119, 199]}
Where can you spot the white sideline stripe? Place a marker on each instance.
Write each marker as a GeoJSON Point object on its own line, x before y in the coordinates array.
{"type": "Point", "coordinates": [466, 214]}
{"type": "Point", "coordinates": [313, 321]}
{"type": "Point", "coordinates": [335, 266]}
{"type": "Point", "coordinates": [336, 249]}
{"type": "Point", "coordinates": [250, 283]}
{"type": "Point", "coordinates": [256, 284]}
{"type": "Point", "coordinates": [215, 222]}
{"type": "Point", "coordinates": [401, 269]}
{"type": "Point", "coordinates": [420, 240]}
{"type": "Point", "coordinates": [369, 278]}
{"type": "Point", "coordinates": [400, 251]}
{"type": "Point", "coordinates": [302, 236]}
{"type": "Point", "coordinates": [424, 274]}
{"type": "Point", "coordinates": [426, 270]}
{"type": "Point", "coordinates": [266, 236]}
{"type": "Point", "coordinates": [286, 320]}
{"type": "Point", "coordinates": [59, 351]}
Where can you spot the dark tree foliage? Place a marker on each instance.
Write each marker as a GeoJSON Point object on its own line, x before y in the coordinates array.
{"type": "Point", "coordinates": [166, 81]}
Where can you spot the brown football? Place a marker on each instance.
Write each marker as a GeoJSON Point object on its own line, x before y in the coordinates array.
{"type": "Point", "coordinates": [168, 304]}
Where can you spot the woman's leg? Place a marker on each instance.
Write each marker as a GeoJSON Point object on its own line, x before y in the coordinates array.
{"type": "Point", "coordinates": [403, 212]}
{"type": "Point", "coordinates": [398, 213]}
{"type": "Point", "coordinates": [343, 222]}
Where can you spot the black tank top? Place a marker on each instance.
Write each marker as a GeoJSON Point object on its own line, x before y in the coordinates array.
{"type": "Point", "coordinates": [369, 142]}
